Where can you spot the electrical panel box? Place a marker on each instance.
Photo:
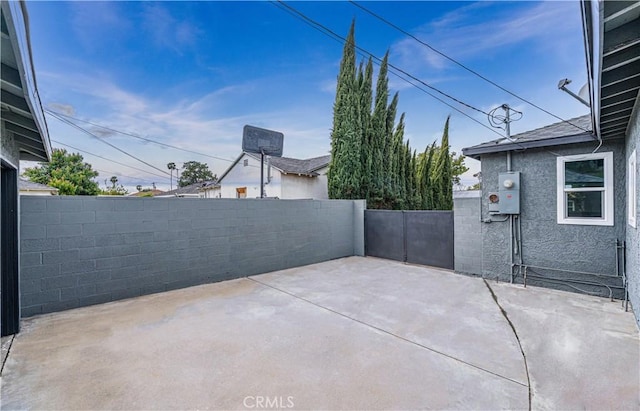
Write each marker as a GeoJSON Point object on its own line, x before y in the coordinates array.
{"type": "Point", "coordinates": [509, 192]}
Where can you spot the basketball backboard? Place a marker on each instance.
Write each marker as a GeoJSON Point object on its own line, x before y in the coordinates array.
{"type": "Point", "coordinates": [261, 141]}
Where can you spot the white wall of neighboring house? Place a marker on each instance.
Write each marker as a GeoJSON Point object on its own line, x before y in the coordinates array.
{"type": "Point", "coordinates": [295, 186]}
{"type": "Point", "coordinates": [248, 176]}
{"type": "Point", "coordinates": [246, 173]}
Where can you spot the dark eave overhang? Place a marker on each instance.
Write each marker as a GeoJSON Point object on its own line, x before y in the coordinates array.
{"type": "Point", "coordinates": [21, 111]}
{"type": "Point", "coordinates": [612, 39]}
{"type": "Point", "coordinates": [499, 147]}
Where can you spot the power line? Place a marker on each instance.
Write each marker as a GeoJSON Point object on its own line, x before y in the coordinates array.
{"type": "Point", "coordinates": [137, 136]}
{"type": "Point", "coordinates": [470, 70]}
{"type": "Point", "coordinates": [118, 174]}
{"type": "Point", "coordinates": [106, 142]}
{"type": "Point", "coordinates": [328, 32]}
{"type": "Point", "coordinates": [379, 59]}
{"type": "Point", "coordinates": [105, 158]}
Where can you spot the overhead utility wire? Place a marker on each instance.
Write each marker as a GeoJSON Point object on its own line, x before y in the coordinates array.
{"type": "Point", "coordinates": [379, 59]}
{"type": "Point", "coordinates": [106, 142]}
{"type": "Point", "coordinates": [137, 136]}
{"type": "Point", "coordinates": [118, 174]}
{"type": "Point", "coordinates": [365, 53]}
{"type": "Point", "coordinates": [451, 59]}
{"type": "Point", "coordinates": [105, 158]}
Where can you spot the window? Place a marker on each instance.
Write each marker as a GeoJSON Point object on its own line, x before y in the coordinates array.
{"type": "Point", "coordinates": [241, 192]}
{"type": "Point", "coordinates": [585, 189]}
{"type": "Point", "coordinates": [631, 190]}
{"type": "Point", "coordinates": [245, 163]}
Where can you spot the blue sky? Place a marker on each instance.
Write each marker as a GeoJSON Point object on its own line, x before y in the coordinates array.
{"type": "Point", "coordinates": [192, 74]}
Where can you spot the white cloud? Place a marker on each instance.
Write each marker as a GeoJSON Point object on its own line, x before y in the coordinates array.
{"type": "Point", "coordinates": [98, 23]}
{"type": "Point", "coordinates": [461, 35]}
{"type": "Point", "coordinates": [166, 30]}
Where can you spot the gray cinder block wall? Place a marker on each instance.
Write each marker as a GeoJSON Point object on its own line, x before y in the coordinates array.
{"type": "Point", "coordinates": [467, 232]}
{"type": "Point", "coordinates": [78, 251]}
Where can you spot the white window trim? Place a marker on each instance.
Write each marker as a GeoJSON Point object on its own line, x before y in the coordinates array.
{"type": "Point", "coordinates": [608, 190]}
{"type": "Point", "coordinates": [631, 190]}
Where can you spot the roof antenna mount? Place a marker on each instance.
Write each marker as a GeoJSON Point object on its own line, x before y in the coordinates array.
{"type": "Point", "coordinates": [562, 85]}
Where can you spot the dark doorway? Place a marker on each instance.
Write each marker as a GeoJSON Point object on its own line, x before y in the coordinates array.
{"type": "Point", "coordinates": [9, 297]}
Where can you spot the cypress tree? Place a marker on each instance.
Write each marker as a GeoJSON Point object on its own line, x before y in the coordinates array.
{"type": "Point", "coordinates": [442, 173]}
{"type": "Point", "coordinates": [344, 176]}
{"type": "Point", "coordinates": [425, 186]}
{"type": "Point", "coordinates": [366, 100]}
{"type": "Point", "coordinates": [379, 137]}
{"type": "Point", "coordinates": [413, 182]}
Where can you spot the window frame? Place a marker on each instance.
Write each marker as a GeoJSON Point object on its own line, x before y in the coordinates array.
{"type": "Point", "coordinates": [607, 190]}
{"type": "Point", "coordinates": [631, 189]}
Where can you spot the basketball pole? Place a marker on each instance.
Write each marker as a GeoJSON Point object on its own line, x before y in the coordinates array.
{"type": "Point", "coordinates": [261, 173]}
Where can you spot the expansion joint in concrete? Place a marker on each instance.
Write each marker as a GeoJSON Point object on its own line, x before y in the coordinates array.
{"type": "Point", "coordinates": [382, 330]}
{"type": "Point", "coordinates": [5, 355]}
{"type": "Point", "coordinates": [515, 333]}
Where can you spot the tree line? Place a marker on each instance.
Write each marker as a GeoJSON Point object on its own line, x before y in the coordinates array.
{"type": "Point", "coordinates": [369, 157]}
{"type": "Point", "coordinates": [71, 175]}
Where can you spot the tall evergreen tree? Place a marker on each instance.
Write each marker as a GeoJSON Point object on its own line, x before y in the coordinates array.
{"type": "Point", "coordinates": [378, 135]}
{"type": "Point", "coordinates": [345, 170]}
{"type": "Point", "coordinates": [425, 187]}
{"type": "Point", "coordinates": [366, 101]}
{"type": "Point", "coordinates": [442, 174]}
{"type": "Point", "coordinates": [370, 158]}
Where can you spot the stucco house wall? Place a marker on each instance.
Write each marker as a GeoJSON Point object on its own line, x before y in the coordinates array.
{"type": "Point", "coordinates": [633, 234]}
{"type": "Point", "coordinates": [546, 243]}
{"type": "Point", "coordinates": [295, 186]}
{"type": "Point", "coordinates": [249, 176]}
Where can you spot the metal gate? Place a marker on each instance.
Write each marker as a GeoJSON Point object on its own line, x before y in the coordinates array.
{"type": "Point", "coordinates": [420, 237]}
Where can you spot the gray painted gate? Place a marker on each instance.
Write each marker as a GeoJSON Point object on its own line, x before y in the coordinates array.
{"type": "Point", "coordinates": [420, 237]}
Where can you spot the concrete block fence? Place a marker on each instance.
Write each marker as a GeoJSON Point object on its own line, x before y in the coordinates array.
{"type": "Point", "coordinates": [79, 251]}
{"type": "Point", "coordinates": [467, 232]}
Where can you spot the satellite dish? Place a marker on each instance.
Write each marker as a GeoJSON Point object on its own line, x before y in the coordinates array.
{"type": "Point", "coordinates": [584, 92]}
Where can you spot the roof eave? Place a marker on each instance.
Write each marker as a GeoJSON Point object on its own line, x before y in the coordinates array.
{"type": "Point", "coordinates": [17, 19]}
{"type": "Point", "coordinates": [477, 151]}
{"type": "Point", "coordinates": [592, 33]}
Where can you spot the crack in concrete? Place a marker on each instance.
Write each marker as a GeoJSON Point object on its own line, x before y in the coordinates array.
{"type": "Point", "coordinates": [513, 328]}
{"type": "Point", "coordinates": [6, 356]}
{"type": "Point", "coordinates": [394, 335]}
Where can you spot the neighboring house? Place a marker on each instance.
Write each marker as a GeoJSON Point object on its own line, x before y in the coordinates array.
{"type": "Point", "coordinates": [192, 190]}
{"type": "Point", "coordinates": [30, 188]}
{"type": "Point", "coordinates": [578, 191]}
{"type": "Point", "coordinates": [286, 178]}
{"type": "Point", "coordinates": [23, 136]}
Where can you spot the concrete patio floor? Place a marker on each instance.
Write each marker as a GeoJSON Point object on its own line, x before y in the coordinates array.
{"type": "Point", "coordinates": [355, 333]}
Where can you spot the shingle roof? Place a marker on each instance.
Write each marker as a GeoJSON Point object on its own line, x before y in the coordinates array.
{"type": "Point", "coordinates": [306, 167]}
{"type": "Point", "coordinates": [27, 185]}
{"type": "Point", "coordinates": [296, 166]}
{"type": "Point", "coordinates": [190, 189]}
{"type": "Point", "coordinates": [558, 133]}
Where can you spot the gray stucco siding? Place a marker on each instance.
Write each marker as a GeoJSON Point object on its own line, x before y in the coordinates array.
{"type": "Point", "coordinates": [633, 234]}
{"type": "Point", "coordinates": [545, 242]}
